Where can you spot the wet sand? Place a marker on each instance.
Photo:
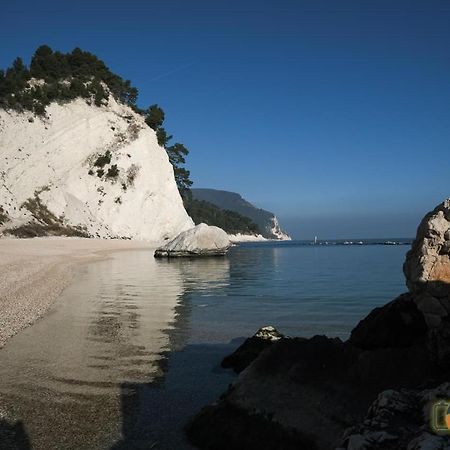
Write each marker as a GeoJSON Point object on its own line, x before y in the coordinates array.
{"type": "Point", "coordinates": [34, 272]}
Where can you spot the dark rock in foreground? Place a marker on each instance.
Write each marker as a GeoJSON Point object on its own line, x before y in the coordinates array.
{"type": "Point", "coordinates": [397, 324]}
{"type": "Point", "coordinates": [317, 391]}
{"type": "Point", "coordinates": [251, 349]}
{"type": "Point", "coordinates": [243, 431]}
{"type": "Point", "coordinates": [397, 420]}
{"type": "Point", "coordinates": [313, 388]}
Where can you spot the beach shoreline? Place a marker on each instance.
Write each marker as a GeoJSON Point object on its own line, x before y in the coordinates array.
{"type": "Point", "coordinates": [34, 273]}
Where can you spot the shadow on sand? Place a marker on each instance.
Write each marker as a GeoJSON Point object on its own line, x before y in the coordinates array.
{"type": "Point", "coordinates": [154, 415]}
{"type": "Point", "coordinates": [13, 436]}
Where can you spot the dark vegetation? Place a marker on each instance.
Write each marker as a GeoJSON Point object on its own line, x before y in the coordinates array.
{"type": "Point", "coordinates": [3, 216]}
{"type": "Point", "coordinates": [230, 221]}
{"type": "Point", "coordinates": [60, 77]}
{"type": "Point", "coordinates": [44, 223]}
{"type": "Point", "coordinates": [102, 160]}
{"type": "Point", "coordinates": [113, 172]}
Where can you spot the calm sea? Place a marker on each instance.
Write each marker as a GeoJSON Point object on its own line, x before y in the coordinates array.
{"type": "Point", "coordinates": [133, 347]}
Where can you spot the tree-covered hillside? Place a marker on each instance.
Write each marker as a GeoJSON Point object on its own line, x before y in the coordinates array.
{"type": "Point", "coordinates": [230, 221]}
{"type": "Point", "coordinates": [265, 220]}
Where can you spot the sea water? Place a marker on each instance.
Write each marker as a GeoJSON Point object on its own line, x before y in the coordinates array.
{"type": "Point", "coordinates": [133, 347]}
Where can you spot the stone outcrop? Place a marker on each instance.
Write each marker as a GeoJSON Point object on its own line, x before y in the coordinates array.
{"type": "Point", "coordinates": [398, 420]}
{"type": "Point", "coordinates": [201, 240]}
{"type": "Point", "coordinates": [320, 389]}
{"type": "Point", "coordinates": [251, 348]}
{"type": "Point", "coordinates": [427, 265]}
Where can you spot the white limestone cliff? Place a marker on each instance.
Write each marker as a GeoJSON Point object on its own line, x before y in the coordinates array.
{"type": "Point", "coordinates": [277, 232]}
{"type": "Point", "coordinates": [48, 174]}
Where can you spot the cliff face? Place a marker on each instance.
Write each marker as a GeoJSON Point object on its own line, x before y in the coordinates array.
{"type": "Point", "coordinates": [86, 170]}
{"type": "Point", "coordinates": [267, 222]}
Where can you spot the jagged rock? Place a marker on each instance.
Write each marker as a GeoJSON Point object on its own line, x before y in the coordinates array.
{"type": "Point", "coordinates": [251, 348]}
{"type": "Point", "coordinates": [399, 420]}
{"type": "Point", "coordinates": [201, 240]}
{"type": "Point", "coordinates": [427, 265]}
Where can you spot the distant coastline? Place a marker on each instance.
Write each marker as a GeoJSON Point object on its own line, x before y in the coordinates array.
{"type": "Point", "coordinates": [337, 242]}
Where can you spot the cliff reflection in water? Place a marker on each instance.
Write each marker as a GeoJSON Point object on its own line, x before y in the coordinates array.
{"type": "Point", "coordinates": [62, 377]}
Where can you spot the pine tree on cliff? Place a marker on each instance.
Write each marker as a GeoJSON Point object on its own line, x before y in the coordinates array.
{"type": "Point", "coordinates": [163, 137]}
{"type": "Point", "coordinates": [154, 117]}
{"type": "Point", "coordinates": [177, 152]}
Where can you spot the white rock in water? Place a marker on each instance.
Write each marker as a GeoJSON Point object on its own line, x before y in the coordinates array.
{"type": "Point", "coordinates": [202, 240]}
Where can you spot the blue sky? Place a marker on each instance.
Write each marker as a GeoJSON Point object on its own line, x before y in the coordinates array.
{"type": "Point", "coordinates": [333, 114]}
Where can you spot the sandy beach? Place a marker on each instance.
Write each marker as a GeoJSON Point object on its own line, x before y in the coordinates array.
{"type": "Point", "coordinates": [34, 272]}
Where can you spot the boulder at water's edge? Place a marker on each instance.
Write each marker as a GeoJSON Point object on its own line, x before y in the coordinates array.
{"type": "Point", "coordinates": [202, 240]}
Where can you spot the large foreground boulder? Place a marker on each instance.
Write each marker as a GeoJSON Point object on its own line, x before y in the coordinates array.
{"type": "Point", "coordinates": [306, 387]}
{"type": "Point", "coordinates": [202, 240]}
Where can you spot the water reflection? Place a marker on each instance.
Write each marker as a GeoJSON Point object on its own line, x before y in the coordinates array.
{"type": "Point", "coordinates": [204, 275]}
{"type": "Point", "coordinates": [65, 376]}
